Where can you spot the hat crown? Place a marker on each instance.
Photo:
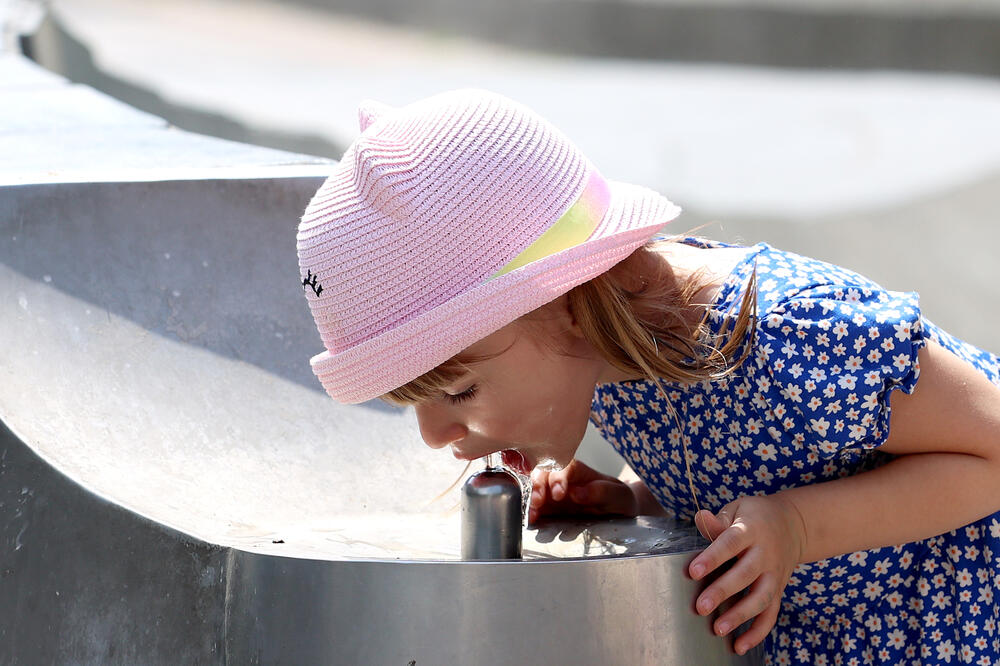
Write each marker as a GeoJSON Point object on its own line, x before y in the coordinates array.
{"type": "Point", "coordinates": [430, 200]}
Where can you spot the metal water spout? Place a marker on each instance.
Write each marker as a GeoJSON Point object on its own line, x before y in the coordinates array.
{"type": "Point", "coordinates": [492, 515]}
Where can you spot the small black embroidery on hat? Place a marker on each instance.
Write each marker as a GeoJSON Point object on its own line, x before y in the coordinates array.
{"type": "Point", "coordinates": [310, 280]}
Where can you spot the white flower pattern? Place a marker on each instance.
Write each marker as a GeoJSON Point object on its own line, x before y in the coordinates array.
{"type": "Point", "coordinates": [811, 404]}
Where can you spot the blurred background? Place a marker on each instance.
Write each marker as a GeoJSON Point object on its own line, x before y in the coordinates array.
{"type": "Point", "coordinates": [863, 132]}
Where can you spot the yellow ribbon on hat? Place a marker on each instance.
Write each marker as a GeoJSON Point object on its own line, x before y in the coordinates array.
{"type": "Point", "coordinates": [572, 228]}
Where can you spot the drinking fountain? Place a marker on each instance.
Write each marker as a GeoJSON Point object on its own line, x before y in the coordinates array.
{"type": "Point", "coordinates": [177, 487]}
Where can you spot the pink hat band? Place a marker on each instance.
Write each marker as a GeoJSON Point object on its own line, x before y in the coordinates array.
{"type": "Point", "coordinates": [445, 220]}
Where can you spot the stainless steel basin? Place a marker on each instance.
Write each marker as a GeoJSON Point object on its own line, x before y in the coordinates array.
{"type": "Point", "coordinates": [606, 592]}
{"type": "Point", "coordinates": [177, 488]}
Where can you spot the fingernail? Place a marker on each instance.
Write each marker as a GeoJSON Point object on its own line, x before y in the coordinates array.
{"type": "Point", "coordinates": [704, 605]}
{"type": "Point", "coordinates": [697, 570]}
{"type": "Point", "coordinates": [557, 489]}
{"type": "Point", "coordinates": [740, 650]}
{"type": "Point", "coordinates": [723, 628]}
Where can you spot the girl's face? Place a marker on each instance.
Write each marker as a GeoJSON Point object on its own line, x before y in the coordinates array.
{"type": "Point", "coordinates": [527, 400]}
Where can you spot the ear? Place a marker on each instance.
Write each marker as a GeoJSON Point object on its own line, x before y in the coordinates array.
{"type": "Point", "coordinates": [370, 110]}
{"type": "Point", "coordinates": [563, 315]}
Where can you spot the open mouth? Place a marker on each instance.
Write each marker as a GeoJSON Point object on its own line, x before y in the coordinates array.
{"type": "Point", "coordinates": [516, 461]}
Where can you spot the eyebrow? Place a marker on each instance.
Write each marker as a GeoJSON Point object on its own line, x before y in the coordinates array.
{"type": "Point", "coordinates": [457, 380]}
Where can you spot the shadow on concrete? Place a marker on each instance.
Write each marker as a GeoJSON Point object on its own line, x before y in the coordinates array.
{"type": "Point", "coordinates": [57, 50]}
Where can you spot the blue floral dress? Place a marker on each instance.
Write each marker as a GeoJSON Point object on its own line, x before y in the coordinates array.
{"type": "Point", "coordinates": [811, 403]}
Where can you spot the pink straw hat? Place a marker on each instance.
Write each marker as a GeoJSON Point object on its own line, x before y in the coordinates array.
{"type": "Point", "coordinates": [444, 221]}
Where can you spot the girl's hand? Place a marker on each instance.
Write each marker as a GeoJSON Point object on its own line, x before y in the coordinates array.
{"type": "Point", "coordinates": [768, 535]}
{"type": "Point", "coordinates": [577, 489]}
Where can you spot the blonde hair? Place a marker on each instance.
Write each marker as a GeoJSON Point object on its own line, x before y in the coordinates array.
{"type": "Point", "coordinates": [646, 331]}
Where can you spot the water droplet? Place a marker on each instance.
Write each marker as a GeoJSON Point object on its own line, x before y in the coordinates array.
{"type": "Point", "coordinates": [47, 278]}
{"type": "Point", "coordinates": [166, 255]}
{"type": "Point", "coordinates": [176, 293]}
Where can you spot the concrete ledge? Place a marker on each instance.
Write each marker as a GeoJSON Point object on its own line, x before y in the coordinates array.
{"type": "Point", "coordinates": [53, 130]}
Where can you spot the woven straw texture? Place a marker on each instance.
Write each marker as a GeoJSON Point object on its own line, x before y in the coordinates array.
{"type": "Point", "coordinates": [397, 245]}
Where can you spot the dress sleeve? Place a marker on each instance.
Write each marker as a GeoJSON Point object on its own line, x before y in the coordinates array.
{"type": "Point", "coordinates": [833, 356]}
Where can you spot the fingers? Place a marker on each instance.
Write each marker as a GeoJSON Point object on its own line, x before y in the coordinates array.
{"type": "Point", "coordinates": [539, 494]}
{"type": "Point", "coordinates": [759, 629]}
{"type": "Point", "coordinates": [762, 603]}
{"type": "Point", "coordinates": [729, 584]}
{"type": "Point", "coordinates": [574, 474]}
{"type": "Point", "coordinates": [606, 497]}
{"type": "Point", "coordinates": [578, 489]}
{"type": "Point", "coordinates": [728, 544]}
{"type": "Point", "coordinates": [752, 534]}
{"type": "Point", "coordinates": [708, 524]}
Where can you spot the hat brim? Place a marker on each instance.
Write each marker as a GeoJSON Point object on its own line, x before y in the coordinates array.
{"type": "Point", "coordinates": [635, 213]}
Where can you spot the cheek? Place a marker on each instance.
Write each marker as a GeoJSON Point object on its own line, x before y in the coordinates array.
{"type": "Point", "coordinates": [539, 398]}
{"type": "Point", "coordinates": [559, 407]}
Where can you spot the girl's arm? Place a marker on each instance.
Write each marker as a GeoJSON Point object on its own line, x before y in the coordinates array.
{"type": "Point", "coordinates": [947, 434]}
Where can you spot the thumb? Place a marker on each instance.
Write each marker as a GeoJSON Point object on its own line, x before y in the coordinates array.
{"type": "Point", "coordinates": [578, 473]}
{"type": "Point", "coordinates": [606, 497]}
{"type": "Point", "coordinates": [574, 474]}
{"type": "Point", "coordinates": [709, 524]}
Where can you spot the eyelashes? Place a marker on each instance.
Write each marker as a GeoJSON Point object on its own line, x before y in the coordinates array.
{"type": "Point", "coordinates": [467, 394]}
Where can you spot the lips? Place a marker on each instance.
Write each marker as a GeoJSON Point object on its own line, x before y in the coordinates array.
{"type": "Point", "coordinates": [517, 461]}
{"type": "Point", "coordinates": [511, 458]}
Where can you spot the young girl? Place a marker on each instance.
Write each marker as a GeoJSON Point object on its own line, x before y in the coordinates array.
{"type": "Point", "coordinates": [466, 258]}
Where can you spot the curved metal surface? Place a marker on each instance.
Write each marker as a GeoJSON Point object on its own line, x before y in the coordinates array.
{"type": "Point", "coordinates": [161, 363]}
{"type": "Point", "coordinates": [604, 610]}
{"type": "Point", "coordinates": [158, 345]}
{"type": "Point", "coordinates": [157, 355]}
{"type": "Point", "coordinates": [84, 581]}
{"type": "Point", "coordinates": [492, 515]}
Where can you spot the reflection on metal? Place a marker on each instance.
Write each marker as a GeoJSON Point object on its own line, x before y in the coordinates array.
{"type": "Point", "coordinates": [595, 609]}
{"type": "Point", "coordinates": [158, 353]}
{"type": "Point", "coordinates": [491, 516]}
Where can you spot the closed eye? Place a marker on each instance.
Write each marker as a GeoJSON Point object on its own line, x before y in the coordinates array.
{"type": "Point", "coordinates": [467, 394]}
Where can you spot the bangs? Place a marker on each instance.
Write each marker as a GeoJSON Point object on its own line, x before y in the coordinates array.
{"type": "Point", "coordinates": [430, 385]}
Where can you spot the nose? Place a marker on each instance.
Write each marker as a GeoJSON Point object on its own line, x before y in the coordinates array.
{"type": "Point", "coordinates": [437, 427]}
